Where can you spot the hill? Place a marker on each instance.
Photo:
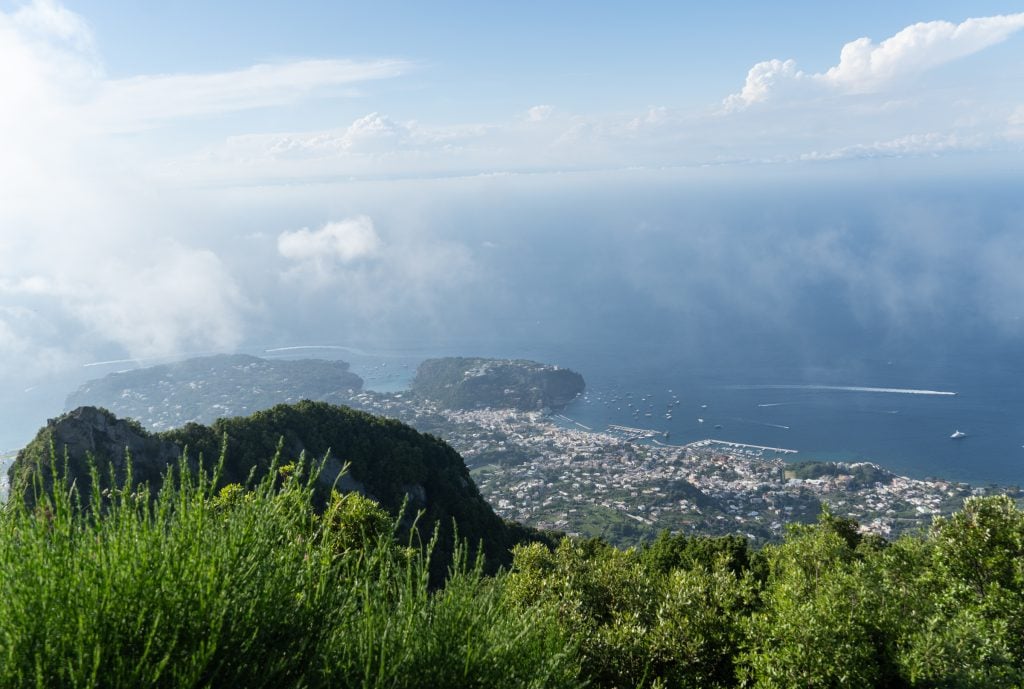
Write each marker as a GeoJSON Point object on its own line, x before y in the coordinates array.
{"type": "Point", "coordinates": [207, 388]}
{"type": "Point", "coordinates": [388, 462]}
{"type": "Point", "coordinates": [473, 383]}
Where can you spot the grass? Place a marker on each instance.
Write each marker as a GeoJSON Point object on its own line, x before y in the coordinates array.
{"type": "Point", "coordinates": [248, 587]}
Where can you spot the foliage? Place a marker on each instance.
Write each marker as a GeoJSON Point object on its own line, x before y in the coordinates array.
{"type": "Point", "coordinates": [392, 463]}
{"type": "Point", "coordinates": [470, 383]}
{"type": "Point", "coordinates": [253, 584]}
{"type": "Point", "coordinates": [861, 473]}
{"type": "Point", "coordinates": [243, 587]}
{"type": "Point", "coordinates": [637, 624]}
{"type": "Point", "coordinates": [814, 628]}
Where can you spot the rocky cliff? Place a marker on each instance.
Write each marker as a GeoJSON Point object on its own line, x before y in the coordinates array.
{"type": "Point", "coordinates": [471, 383]}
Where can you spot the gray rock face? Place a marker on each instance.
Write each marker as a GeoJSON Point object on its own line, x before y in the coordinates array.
{"type": "Point", "coordinates": [89, 433]}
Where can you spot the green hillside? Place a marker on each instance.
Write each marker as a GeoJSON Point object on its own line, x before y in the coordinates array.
{"type": "Point", "coordinates": [471, 383]}
{"type": "Point", "coordinates": [387, 461]}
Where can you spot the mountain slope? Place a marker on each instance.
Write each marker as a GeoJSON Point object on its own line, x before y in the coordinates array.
{"type": "Point", "coordinates": [388, 461]}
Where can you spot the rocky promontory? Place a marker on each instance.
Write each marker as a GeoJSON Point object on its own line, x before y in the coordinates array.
{"type": "Point", "coordinates": [473, 383]}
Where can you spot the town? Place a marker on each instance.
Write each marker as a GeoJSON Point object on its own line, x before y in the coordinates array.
{"type": "Point", "coordinates": [548, 472]}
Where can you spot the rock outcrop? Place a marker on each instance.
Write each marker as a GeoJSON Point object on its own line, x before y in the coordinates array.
{"type": "Point", "coordinates": [387, 460]}
{"type": "Point", "coordinates": [468, 383]}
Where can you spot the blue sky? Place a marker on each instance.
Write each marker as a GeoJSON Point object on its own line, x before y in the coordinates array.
{"type": "Point", "coordinates": [490, 59]}
{"type": "Point", "coordinates": [183, 176]}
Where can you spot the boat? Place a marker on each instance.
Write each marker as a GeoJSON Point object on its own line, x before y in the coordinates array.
{"type": "Point", "coordinates": [957, 434]}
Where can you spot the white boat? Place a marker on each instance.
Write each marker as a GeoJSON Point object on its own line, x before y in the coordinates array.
{"type": "Point", "coordinates": [957, 434]}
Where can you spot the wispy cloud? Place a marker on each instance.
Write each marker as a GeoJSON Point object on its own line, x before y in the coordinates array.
{"type": "Point", "coordinates": [865, 66]}
{"type": "Point", "coordinates": [913, 144]}
{"type": "Point", "coordinates": [146, 100]}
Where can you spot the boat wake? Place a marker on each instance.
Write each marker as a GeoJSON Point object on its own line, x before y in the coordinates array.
{"type": "Point", "coordinates": [762, 423]}
{"type": "Point", "coordinates": [845, 388]}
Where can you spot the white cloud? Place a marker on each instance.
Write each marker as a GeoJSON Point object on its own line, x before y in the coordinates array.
{"type": "Point", "coordinates": [539, 113]}
{"type": "Point", "coordinates": [1015, 124]}
{"type": "Point", "coordinates": [147, 100]}
{"type": "Point", "coordinates": [185, 299]}
{"type": "Point", "coordinates": [98, 256]}
{"type": "Point", "coordinates": [865, 66]}
{"type": "Point", "coordinates": [47, 19]}
{"type": "Point", "coordinates": [341, 241]}
{"type": "Point", "coordinates": [762, 80]}
{"type": "Point", "coordinates": [912, 144]}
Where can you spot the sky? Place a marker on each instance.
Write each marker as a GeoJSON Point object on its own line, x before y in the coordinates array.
{"type": "Point", "coordinates": [193, 177]}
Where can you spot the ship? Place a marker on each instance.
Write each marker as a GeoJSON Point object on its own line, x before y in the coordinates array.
{"type": "Point", "coordinates": [957, 434]}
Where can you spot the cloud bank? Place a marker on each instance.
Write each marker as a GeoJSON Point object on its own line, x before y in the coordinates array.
{"type": "Point", "coordinates": [865, 66]}
{"type": "Point", "coordinates": [99, 257]}
{"type": "Point", "coordinates": [130, 226]}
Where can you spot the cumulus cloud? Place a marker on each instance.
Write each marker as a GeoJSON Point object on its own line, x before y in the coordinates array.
{"type": "Point", "coordinates": [865, 66]}
{"type": "Point", "coordinates": [539, 113]}
{"type": "Point", "coordinates": [343, 241]}
{"type": "Point", "coordinates": [99, 257]}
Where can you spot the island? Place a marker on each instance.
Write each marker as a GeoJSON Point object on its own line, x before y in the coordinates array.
{"type": "Point", "coordinates": [473, 383]}
{"type": "Point", "coordinates": [207, 388]}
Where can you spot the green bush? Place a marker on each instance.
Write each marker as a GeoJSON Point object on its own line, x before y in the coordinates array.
{"type": "Point", "coordinates": [236, 588]}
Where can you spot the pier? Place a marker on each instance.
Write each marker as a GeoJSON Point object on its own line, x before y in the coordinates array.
{"type": "Point", "coordinates": [730, 443]}
{"type": "Point", "coordinates": [563, 417]}
{"type": "Point", "coordinates": [631, 432]}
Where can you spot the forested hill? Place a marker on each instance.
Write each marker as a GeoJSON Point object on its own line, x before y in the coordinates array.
{"type": "Point", "coordinates": [388, 461]}
{"type": "Point", "coordinates": [207, 388]}
{"type": "Point", "coordinates": [472, 383]}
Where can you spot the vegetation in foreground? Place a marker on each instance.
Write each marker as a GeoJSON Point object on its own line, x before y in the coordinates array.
{"type": "Point", "coordinates": [253, 587]}
{"type": "Point", "coordinates": [250, 587]}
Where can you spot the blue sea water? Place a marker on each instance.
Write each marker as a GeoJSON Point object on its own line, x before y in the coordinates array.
{"type": "Point", "coordinates": [827, 416]}
{"type": "Point", "coordinates": [766, 301]}
{"type": "Point", "coordinates": [763, 397]}
{"type": "Point", "coordinates": [865, 412]}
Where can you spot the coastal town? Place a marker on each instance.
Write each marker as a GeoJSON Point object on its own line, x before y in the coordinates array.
{"type": "Point", "coordinates": [539, 467]}
{"type": "Point", "coordinates": [623, 484]}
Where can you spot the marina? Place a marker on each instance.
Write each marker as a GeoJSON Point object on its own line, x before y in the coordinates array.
{"type": "Point", "coordinates": [729, 443]}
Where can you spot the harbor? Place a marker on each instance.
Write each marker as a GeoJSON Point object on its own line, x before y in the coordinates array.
{"type": "Point", "coordinates": [708, 442]}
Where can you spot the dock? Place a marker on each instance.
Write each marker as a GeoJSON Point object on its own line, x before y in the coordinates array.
{"type": "Point", "coordinates": [730, 443]}
{"type": "Point", "coordinates": [633, 433]}
{"type": "Point", "coordinates": [565, 418]}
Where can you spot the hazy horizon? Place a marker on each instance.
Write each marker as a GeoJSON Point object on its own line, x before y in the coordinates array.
{"type": "Point", "coordinates": [808, 187]}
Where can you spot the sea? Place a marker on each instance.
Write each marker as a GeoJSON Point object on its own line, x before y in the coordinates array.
{"type": "Point", "coordinates": [858, 317]}
{"type": "Point", "coordinates": [900, 414]}
{"type": "Point", "coordinates": [897, 411]}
